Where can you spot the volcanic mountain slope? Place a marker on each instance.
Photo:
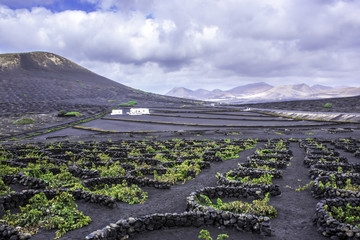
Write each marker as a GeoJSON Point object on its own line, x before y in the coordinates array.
{"type": "Point", "coordinates": [37, 85]}
{"type": "Point", "coordinates": [36, 80]}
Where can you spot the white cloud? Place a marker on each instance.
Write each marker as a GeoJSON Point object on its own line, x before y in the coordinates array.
{"type": "Point", "coordinates": [197, 43]}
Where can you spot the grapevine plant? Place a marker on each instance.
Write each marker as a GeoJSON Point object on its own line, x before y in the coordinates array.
{"type": "Point", "coordinates": [58, 213]}
{"type": "Point", "coordinates": [204, 234]}
{"type": "Point", "coordinates": [347, 214]}
{"type": "Point", "coordinates": [122, 192]}
{"type": "Point", "coordinates": [257, 207]}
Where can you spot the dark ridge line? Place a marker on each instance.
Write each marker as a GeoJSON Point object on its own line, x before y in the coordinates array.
{"type": "Point", "coordinates": [212, 125]}
{"type": "Point", "coordinates": [241, 119]}
{"type": "Point", "coordinates": [216, 112]}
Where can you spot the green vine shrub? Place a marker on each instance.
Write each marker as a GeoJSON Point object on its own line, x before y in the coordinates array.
{"type": "Point", "coordinates": [204, 234]}
{"type": "Point", "coordinates": [59, 213]}
{"type": "Point", "coordinates": [257, 207]}
{"type": "Point", "coordinates": [349, 214]}
{"type": "Point", "coordinates": [122, 192]}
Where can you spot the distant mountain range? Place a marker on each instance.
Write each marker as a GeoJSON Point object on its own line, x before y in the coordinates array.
{"type": "Point", "coordinates": [263, 92]}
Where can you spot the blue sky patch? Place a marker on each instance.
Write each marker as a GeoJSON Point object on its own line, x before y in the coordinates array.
{"type": "Point", "coordinates": [53, 5]}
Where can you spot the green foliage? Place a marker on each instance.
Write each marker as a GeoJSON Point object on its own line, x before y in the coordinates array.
{"type": "Point", "coordinates": [63, 179]}
{"type": "Point", "coordinates": [172, 176]}
{"type": "Point", "coordinates": [204, 234]}
{"type": "Point", "coordinates": [23, 121]}
{"type": "Point", "coordinates": [61, 113]}
{"type": "Point", "coordinates": [349, 214]}
{"type": "Point", "coordinates": [122, 192]}
{"type": "Point", "coordinates": [332, 183]}
{"type": "Point", "coordinates": [5, 170]}
{"type": "Point", "coordinates": [104, 157]}
{"type": "Point", "coordinates": [4, 190]}
{"type": "Point", "coordinates": [111, 101]}
{"type": "Point", "coordinates": [263, 179]}
{"type": "Point", "coordinates": [299, 189]}
{"type": "Point", "coordinates": [327, 105]}
{"type": "Point", "coordinates": [257, 207]}
{"type": "Point", "coordinates": [73, 114]}
{"type": "Point", "coordinates": [128, 104]}
{"type": "Point", "coordinates": [263, 167]}
{"type": "Point", "coordinates": [113, 170]}
{"type": "Point", "coordinates": [59, 213]}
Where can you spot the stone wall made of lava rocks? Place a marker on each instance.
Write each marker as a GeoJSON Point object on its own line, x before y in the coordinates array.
{"type": "Point", "coordinates": [328, 226]}
{"type": "Point", "coordinates": [316, 159]}
{"type": "Point", "coordinates": [9, 233]}
{"type": "Point", "coordinates": [273, 189]}
{"type": "Point", "coordinates": [14, 200]}
{"type": "Point", "coordinates": [254, 172]}
{"type": "Point", "coordinates": [124, 228]}
{"type": "Point", "coordinates": [24, 180]}
{"type": "Point", "coordinates": [150, 171]}
{"type": "Point", "coordinates": [279, 164]}
{"type": "Point", "coordinates": [321, 191]}
{"type": "Point", "coordinates": [327, 169]}
{"type": "Point", "coordinates": [142, 182]}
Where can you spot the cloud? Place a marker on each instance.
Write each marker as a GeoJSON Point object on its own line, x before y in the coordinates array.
{"type": "Point", "coordinates": [197, 43]}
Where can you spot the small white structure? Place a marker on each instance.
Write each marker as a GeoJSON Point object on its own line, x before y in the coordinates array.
{"type": "Point", "coordinates": [116, 112]}
{"type": "Point", "coordinates": [138, 111]}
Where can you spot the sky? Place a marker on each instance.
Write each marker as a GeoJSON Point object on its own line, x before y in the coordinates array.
{"type": "Point", "coordinates": [156, 45]}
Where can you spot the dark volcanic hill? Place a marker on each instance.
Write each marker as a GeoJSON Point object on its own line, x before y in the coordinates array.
{"type": "Point", "coordinates": [36, 80]}
{"type": "Point", "coordinates": [38, 85]}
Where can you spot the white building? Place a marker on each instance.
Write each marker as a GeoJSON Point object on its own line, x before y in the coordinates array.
{"type": "Point", "coordinates": [138, 111]}
{"type": "Point", "coordinates": [116, 112]}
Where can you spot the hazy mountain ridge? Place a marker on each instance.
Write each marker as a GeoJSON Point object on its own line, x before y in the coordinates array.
{"type": "Point", "coordinates": [263, 92]}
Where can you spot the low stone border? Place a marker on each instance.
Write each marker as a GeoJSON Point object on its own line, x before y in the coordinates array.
{"type": "Point", "coordinates": [279, 164]}
{"type": "Point", "coordinates": [150, 171]}
{"type": "Point", "coordinates": [254, 172]}
{"type": "Point", "coordinates": [346, 146]}
{"type": "Point", "coordinates": [273, 189]}
{"type": "Point", "coordinates": [21, 178]}
{"type": "Point", "coordinates": [91, 183]}
{"type": "Point", "coordinates": [83, 173]}
{"type": "Point", "coordinates": [202, 164]}
{"type": "Point", "coordinates": [279, 152]}
{"type": "Point", "coordinates": [320, 152]}
{"type": "Point", "coordinates": [328, 169]}
{"type": "Point", "coordinates": [14, 200]}
{"type": "Point", "coordinates": [328, 226]}
{"type": "Point", "coordinates": [125, 228]}
{"type": "Point", "coordinates": [312, 160]}
{"type": "Point", "coordinates": [9, 233]}
{"type": "Point", "coordinates": [329, 192]}
{"type": "Point", "coordinates": [126, 166]}
{"type": "Point", "coordinates": [279, 157]}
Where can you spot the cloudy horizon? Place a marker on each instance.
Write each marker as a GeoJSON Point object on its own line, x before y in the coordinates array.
{"type": "Point", "coordinates": [156, 45]}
